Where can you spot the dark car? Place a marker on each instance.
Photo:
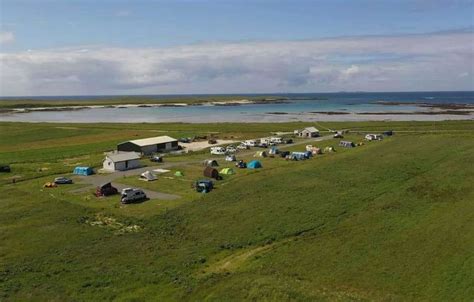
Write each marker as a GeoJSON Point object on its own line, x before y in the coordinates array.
{"type": "Point", "coordinates": [284, 154]}
{"type": "Point", "coordinates": [184, 140]}
{"type": "Point", "coordinates": [204, 186]}
{"type": "Point", "coordinates": [262, 145]}
{"type": "Point", "coordinates": [288, 141]}
{"type": "Point", "coordinates": [5, 168]}
{"type": "Point", "coordinates": [388, 133]}
{"type": "Point", "coordinates": [106, 190]}
{"type": "Point", "coordinates": [157, 159]}
{"type": "Point", "coordinates": [62, 180]}
{"type": "Point", "coordinates": [212, 141]}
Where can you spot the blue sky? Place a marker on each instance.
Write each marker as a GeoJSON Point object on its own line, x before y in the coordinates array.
{"type": "Point", "coordinates": [47, 28]}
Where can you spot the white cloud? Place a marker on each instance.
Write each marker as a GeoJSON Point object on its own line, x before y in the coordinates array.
{"type": "Point", "coordinates": [390, 63]}
{"type": "Point", "coordinates": [6, 37]}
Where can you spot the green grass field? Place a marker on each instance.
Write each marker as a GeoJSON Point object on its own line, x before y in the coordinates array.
{"type": "Point", "coordinates": [387, 221]}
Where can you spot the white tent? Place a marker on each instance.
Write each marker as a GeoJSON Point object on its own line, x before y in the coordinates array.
{"type": "Point", "coordinates": [148, 176]}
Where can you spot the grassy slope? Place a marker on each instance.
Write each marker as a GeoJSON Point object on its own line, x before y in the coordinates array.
{"type": "Point", "coordinates": [387, 221]}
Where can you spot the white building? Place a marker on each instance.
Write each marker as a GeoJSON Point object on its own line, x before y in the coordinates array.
{"type": "Point", "coordinates": [121, 161]}
{"type": "Point", "coordinates": [308, 132]}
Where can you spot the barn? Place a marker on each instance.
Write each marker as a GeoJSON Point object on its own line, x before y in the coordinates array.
{"type": "Point", "coordinates": [121, 161]}
{"type": "Point", "coordinates": [149, 145]}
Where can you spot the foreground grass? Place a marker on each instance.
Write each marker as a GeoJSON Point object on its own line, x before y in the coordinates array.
{"type": "Point", "coordinates": [390, 220]}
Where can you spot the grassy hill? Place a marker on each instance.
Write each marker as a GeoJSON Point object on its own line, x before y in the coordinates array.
{"type": "Point", "coordinates": [390, 220]}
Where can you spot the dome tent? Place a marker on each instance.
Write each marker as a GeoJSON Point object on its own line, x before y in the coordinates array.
{"type": "Point", "coordinates": [254, 164]}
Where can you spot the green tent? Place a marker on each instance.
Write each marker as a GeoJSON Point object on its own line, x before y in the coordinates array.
{"type": "Point", "coordinates": [227, 171]}
{"type": "Point", "coordinates": [178, 174]}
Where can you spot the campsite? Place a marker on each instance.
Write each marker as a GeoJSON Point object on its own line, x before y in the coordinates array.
{"type": "Point", "coordinates": [181, 244]}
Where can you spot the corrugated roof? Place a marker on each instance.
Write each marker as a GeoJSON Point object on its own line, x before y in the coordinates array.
{"type": "Point", "coordinates": [153, 140]}
{"type": "Point", "coordinates": [311, 129]}
{"type": "Point", "coordinates": [123, 156]}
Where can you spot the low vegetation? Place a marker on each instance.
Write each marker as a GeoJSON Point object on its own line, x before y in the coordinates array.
{"type": "Point", "coordinates": [389, 220]}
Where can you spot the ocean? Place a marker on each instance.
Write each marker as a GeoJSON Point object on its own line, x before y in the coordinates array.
{"type": "Point", "coordinates": [357, 106]}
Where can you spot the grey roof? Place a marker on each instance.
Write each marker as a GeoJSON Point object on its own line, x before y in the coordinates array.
{"type": "Point", "coordinates": [311, 129]}
{"type": "Point", "coordinates": [122, 156]}
{"type": "Point", "coordinates": [153, 141]}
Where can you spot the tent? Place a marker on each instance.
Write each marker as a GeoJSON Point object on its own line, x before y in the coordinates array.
{"type": "Point", "coordinates": [148, 176]}
{"type": "Point", "coordinates": [227, 171]}
{"type": "Point", "coordinates": [329, 149]}
{"type": "Point", "coordinates": [346, 144]}
{"type": "Point", "coordinates": [274, 150]}
{"type": "Point", "coordinates": [261, 154]}
{"type": "Point", "coordinates": [254, 164]}
{"type": "Point", "coordinates": [211, 173]}
{"type": "Point", "coordinates": [308, 154]}
{"type": "Point", "coordinates": [83, 171]}
{"type": "Point", "coordinates": [178, 174]}
{"type": "Point", "coordinates": [211, 163]}
{"type": "Point", "coordinates": [230, 158]}
{"type": "Point", "coordinates": [298, 156]}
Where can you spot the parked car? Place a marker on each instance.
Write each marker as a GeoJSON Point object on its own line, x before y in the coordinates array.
{"type": "Point", "coordinates": [156, 159]}
{"type": "Point", "coordinates": [212, 141]}
{"type": "Point", "coordinates": [230, 149]}
{"type": "Point", "coordinates": [203, 186]}
{"type": "Point", "coordinates": [243, 147]}
{"type": "Point", "coordinates": [130, 195]}
{"type": "Point", "coordinates": [284, 154]}
{"type": "Point", "coordinates": [388, 133]}
{"type": "Point", "coordinates": [5, 168]}
{"type": "Point", "coordinates": [218, 150]}
{"type": "Point", "coordinates": [250, 143]}
{"type": "Point", "coordinates": [338, 135]}
{"type": "Point", "coordinates": [62, 180]}
{"type": "Point", "coordinates": [288, 141]}
{"type": "Point", "coordinates": [184, 140]}
{"type": "Point", "coordinates": [105, 190]}
{"type": "Point", "coordinates": [262, 145]}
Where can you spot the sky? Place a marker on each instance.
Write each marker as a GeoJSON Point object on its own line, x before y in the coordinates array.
{"type": "Point", "coordinates": [85, 47]}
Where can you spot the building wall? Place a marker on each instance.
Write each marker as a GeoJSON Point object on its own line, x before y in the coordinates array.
{"type": "Point", "coordinates": [128, 146]}
{"type": "Point", "coordinates": [109, 165]}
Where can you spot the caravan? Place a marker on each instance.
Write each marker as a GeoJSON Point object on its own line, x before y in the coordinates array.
{"type": "Point", "coordinates": [218, 150]}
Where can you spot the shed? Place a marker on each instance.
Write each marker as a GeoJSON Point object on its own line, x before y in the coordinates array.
{"type": "Point", "coordinates": [149, 145]}
{"type": "Point", "coordinates": [346, 144]}
{"type": "Point", "coordinates": [121, 161]}
{"type": "Point", "coordinates": [83, 171]}
{"type": "Point", "coordinates": [254, 164]}
{"type": "Point", "coordinates": [211, 173]}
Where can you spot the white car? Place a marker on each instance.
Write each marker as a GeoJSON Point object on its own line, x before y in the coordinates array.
{"type": "Point", "coordinates": [130, 195]}
{"type": "Point", "coordinates": [217, 151]}
{"type": "Point", "coordinates": [243, 147]}
{"type": "Point", "coordinates": [231, 149]}
{"type": "Point", "coordinates": [251, 143]}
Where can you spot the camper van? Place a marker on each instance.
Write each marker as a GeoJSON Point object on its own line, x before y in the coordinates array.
{"type": "Point", "coordinates": [251, 143]}
{"type": "Point", "coordinates": [373, 137]}
{"type": "Point", "coordinates": [276, 140]}
{"type": "Point", "coordinates": [218, 150]}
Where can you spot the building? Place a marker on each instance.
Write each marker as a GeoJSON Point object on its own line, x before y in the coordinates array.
{"type": "Point", "coordinates": [121, 161]}
{"type": "Point", "coordinates": [149, 145]}
{"type": "Point", "coordinates": [309, 132]}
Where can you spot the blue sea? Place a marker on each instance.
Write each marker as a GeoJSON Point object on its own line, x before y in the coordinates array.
{"type": "Point", "coordinates": [300, 107]}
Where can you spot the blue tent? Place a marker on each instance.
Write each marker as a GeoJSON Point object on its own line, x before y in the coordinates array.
{"type": "Point", "coordinates": [254, 164]}
{"type": "Point", "coordinates": [308, 154]}
{"type": "Point", "coordinates": [298, 156]}
{"type": "Point", "coordinates": [83, 171]}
